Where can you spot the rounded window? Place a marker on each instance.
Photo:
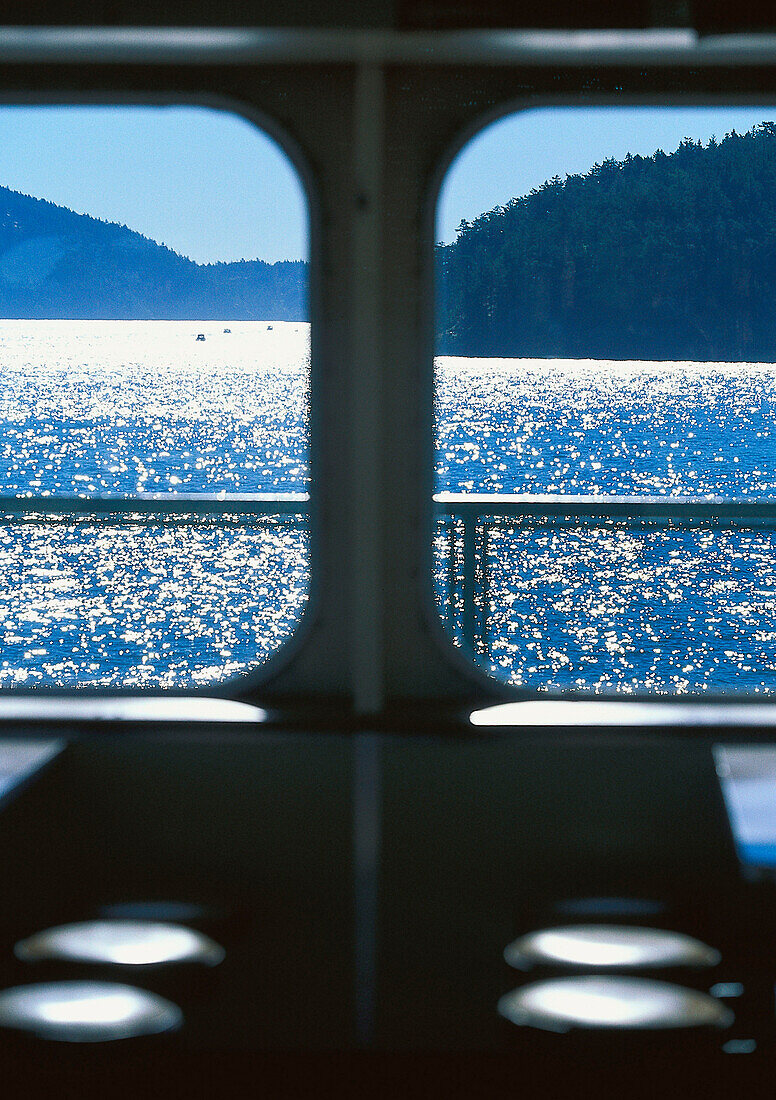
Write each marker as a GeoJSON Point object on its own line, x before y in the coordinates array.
{"type": "Point", "coordinates": [154, 335]}
{"type": "Point", "coordinates": [605, 399]}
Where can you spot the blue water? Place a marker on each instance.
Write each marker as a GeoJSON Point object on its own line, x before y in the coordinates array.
{"type": "Point", "coordinates": [124, 407]}
{"type": "Point", "coordinates": [605, 607]}
{"type": "Point", "coordinates": [582, 426]}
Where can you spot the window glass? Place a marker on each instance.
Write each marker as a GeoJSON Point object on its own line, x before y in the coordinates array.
{"type": "Point", "coordinates": [154, 342]}
{"type": "Point", "coordinates": [606, 400]}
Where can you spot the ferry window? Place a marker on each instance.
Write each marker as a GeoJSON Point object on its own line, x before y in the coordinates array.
{"type": "Point", "coordinates": [154, 342]}
{"type": "Point", "coordinates": [605, 400]}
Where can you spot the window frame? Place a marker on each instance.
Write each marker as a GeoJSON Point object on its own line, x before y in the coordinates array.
{"type": "Point", "coordinates": [419, 94]}
{"type": "Point", "coordinates": [466, 655]}
{"type": "Point", "coordinates": [244, 683]}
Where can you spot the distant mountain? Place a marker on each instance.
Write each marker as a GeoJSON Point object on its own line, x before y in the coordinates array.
{"type": "Point", "coordinates": [55, 263]}
{"type": "Point", "coordinates": [662, 257]}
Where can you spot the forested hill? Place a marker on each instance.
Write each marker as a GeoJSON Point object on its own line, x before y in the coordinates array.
{"type": "Point", "coordinates": [55, 263]}
{"type": "Point", "coordinates": [662, 257]}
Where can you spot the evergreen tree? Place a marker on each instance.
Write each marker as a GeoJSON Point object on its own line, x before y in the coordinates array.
{"type": "Point", "coordinates": [665, 257]}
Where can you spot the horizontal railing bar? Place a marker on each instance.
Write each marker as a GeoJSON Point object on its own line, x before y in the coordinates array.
{"type": "Point", "coordinates": [449, 505]}
{"type": "Point", "coordinates": [200, 504]}
{"type": "Point", "coordinates": [475, 506]}
{"type": "Point", "coordinates": [155, 520]}
{"type": "Point", "coordinates": [379, 45]}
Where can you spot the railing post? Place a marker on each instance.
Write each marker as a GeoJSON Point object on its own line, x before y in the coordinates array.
{"type": "Point", "coordinates": [468, 613]}
{"type": "Point", "coordinates": [452, 571]}
{"type": "Point", "coordinates": [483, 591]}
{"type": "Point", "coordinates": [476, 516]}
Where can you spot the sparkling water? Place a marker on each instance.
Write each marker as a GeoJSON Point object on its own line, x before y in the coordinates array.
{"type": "Point", "coordinates": [93, 408]}
{"type": "Point", "coordinates": [608, 606]}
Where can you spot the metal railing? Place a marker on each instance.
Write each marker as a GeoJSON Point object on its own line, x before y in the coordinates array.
{"type": "Point", "coordinates": [144, 506]}
{"type": "Point", "coordinates": [472, 517]}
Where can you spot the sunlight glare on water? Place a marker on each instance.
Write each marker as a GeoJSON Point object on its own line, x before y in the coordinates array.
{"type": "Point", "coordinates": [102, 407]}
{"type": "Point", "coordinates": [603, 606]}
{"type": "Point", "coordinates": [119, 407]}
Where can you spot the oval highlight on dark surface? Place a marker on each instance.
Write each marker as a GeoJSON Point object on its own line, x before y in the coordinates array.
{"type": "Point", "coordinates": [86, 1012]}
{"type": "Point", "coordinates": [615, 1003]}
{"type": "Point", "coordinates": [121, 943]}
{"type": "Point", "coordinates": [609, 946]}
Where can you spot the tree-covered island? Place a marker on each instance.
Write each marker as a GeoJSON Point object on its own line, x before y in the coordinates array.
{"type": "Point", "coordinates": [671, 256]}
{"type": "Point", "coordinates": [55, 263]}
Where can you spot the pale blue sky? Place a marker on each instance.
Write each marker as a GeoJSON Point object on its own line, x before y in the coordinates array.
{"type": "Point", "coordinates": [214, 187]}
{"type": "Point", "coordinates": [207, 183]}
{"type": "Point", "coordinates": [523, 150]}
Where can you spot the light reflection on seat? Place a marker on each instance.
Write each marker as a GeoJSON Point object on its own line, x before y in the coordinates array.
{"type": "Point", "coordinates": [86, 1011]}
{"type": "Point", "coordinates": [596, 1001]}
{"type": "Point", "coordinates": [608, 946]}
{"type": "Point", "coordinates": [121, 943]}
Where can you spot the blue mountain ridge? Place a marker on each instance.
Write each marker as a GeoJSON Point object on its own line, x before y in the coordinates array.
{"type": "Point", "coordinates": [55, 263]}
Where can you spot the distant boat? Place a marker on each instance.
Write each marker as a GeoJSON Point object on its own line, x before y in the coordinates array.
{"type": "Point", "coordinates": [200, 336]}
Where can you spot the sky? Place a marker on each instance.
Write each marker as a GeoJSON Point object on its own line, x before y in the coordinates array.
{"type": "Point", "coordinates": [213, 186]}
{"type": "Point", "coordinates": [521, 151]}
{"type": "Point", "coordinates": [207, 183]}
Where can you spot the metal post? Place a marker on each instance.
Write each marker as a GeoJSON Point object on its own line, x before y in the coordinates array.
{"type": "Point", "coordinates": [452, 571]}
{"type": "Point", "coordinates": [483, 593]}
{"type": "Point", "coordinates": [367, 580]}
{"type": "Point", "coordinates": [468, 616]}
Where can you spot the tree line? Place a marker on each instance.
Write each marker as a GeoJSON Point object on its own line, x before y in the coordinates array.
{"type": "Point", "coordinates": [55, 263]}
{"type": "Point", "coordinates": [671, 256]}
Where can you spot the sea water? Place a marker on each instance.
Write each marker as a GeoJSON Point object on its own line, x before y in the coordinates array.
{"type": "Point", "coordinates": [92, 408]}
{"type": "Point", "coordinates": [609, 606]}
{"type": "Point", "coordinates": [121, 407]}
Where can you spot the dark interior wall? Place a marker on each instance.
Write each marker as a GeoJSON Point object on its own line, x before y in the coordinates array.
{"type": "Point", "coordinates": [334, 13]}
{"type": "Point", "coordinates": [480, 840]}
{"type": "Point", "coordinates": [199, 13]}
{"type": "Point", "coordinates": [707, 15]}
{"type": "Point", "coordinates": [259, 833]}
{"type": "Point", "coordinates": [403, 14]}
{"type": "Point", "coordinates": [477, 839]}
